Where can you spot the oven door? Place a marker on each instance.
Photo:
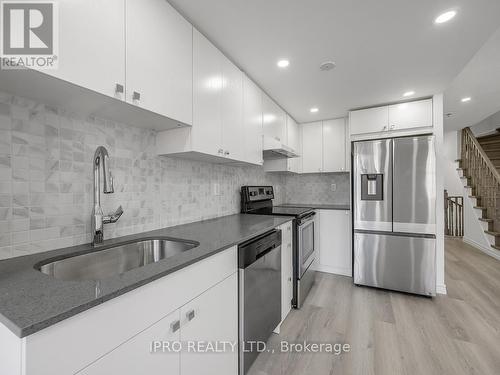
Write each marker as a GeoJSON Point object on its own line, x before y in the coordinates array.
{"type": "Point", "coordinates": [305, 244]}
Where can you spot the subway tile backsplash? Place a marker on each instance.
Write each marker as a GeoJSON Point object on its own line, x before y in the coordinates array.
{"type": "Point", "coordinates": [46, 180]}
{"type": "Point", "coordinates": [317, 188]}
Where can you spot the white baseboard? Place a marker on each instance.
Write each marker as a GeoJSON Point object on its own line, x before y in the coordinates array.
{"type": "Point", "coordinates": [441, 289]}
{"type": "Point", "coordinates": [334, 270]}
{"type": "Point", "coordinates": [491, 252]}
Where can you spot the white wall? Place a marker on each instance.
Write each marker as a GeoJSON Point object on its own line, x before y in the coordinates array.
{"type": "Point", "coordinates": [473, 230]}
{"type": "Point", "coordinates": [451, 151]}
{"type": "Point", "coordinates": [487, 126]}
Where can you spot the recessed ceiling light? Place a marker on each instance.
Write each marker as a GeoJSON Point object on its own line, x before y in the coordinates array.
{"type": "Point", "coordinates": [283, 63]}
{"type": "Point", "coordinates": [409, 93]}
{"type": "Point", "coordinates": [314, 110]}
{"type": "Point", "coordinates": [466, 99]}
{"type": "Point", "coordinates": [446, 16]}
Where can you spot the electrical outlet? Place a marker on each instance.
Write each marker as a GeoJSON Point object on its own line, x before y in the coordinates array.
{"type": "Point", "coordinates": [333, 187]}
{"type": "Point", "coordinates": [216, 189]}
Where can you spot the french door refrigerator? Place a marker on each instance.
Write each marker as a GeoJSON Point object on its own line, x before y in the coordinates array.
{"type": "Point", "coordinates": [394, 202]}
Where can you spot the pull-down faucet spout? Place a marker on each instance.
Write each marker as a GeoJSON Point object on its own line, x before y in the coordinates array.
{"type": "Point", "coordinates": [101, 160]}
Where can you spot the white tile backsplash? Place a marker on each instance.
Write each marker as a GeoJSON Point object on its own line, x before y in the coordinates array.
{"type": "Point", "coordinates": [317, 188]}
{"type": "Point", "coordinates": [46, 180]}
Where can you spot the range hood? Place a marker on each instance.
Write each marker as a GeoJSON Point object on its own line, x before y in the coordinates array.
{"type": "Point", "coordinates": [274, 149]}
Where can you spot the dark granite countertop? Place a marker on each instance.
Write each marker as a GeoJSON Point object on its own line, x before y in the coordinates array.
{"type": "Point", "coordinates": [31, 301]}
{"type": "Point", "coordinates": [319, 206]}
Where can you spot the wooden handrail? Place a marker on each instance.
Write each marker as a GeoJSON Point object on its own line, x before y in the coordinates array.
{"type": "Point", "coordinates": [485, 158]}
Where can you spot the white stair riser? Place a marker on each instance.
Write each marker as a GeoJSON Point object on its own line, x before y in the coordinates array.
{"type": "Point", "coordinates": [484, 225]}
{"type": "Point", "coordinates": [479, 213]}
{"type": "Point", "coordinates": [490, 238]}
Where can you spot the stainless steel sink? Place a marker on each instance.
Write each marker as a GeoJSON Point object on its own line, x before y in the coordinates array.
{"type": "Point", "coordinates": [115, 260]}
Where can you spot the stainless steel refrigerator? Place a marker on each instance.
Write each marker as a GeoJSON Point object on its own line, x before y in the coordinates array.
{"type": "Point", "coordinates": [394, 202]}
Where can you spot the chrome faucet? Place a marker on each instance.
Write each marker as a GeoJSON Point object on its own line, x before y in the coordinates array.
{"type": "Point", "coordinates": [101, 158]}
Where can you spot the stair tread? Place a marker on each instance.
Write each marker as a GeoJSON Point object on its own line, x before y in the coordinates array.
{"type": "Point", "coordinates": [492, 233]}
{"type": "Point", "coordinates": [486, 220]}
{"type": "Point", "coordinates": [489, 138]}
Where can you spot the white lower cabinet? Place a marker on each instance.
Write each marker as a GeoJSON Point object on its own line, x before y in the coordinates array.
{"type": "Point", "coordinates": [115, 337]}
{"type": "Point", "coordinates": [335, 255]}
{"type": "Point", "coordinates": [211, 318]}
{"type": "Point", "coordinates": [136, 355]}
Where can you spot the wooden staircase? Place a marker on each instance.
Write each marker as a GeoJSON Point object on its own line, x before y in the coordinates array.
{"type": "Point", "coordinates": [491, 146]}
{"type": "Point", "coordinates": [479, 168]}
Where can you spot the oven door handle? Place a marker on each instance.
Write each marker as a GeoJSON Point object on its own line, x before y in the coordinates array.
{"type": "Point", "coordinates": [306, 218]}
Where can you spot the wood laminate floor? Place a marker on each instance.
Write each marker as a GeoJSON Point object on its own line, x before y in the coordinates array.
{"type": "Point", "coordinates": [395, 333]}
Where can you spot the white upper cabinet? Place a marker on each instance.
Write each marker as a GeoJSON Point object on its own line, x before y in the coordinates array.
{"type": "Point", "coordinates": [324, 146]}
{"type": "Point", "coordinates": [334, 144]}
{"type": "Point", "coordinates": [252, 121]}
{"type": "Point", "coordinates": [292, 133]}
{"type": "Point", "coordinates": [88, 56]}
{"type": "Point", "coordinates": [232, 111]}
{"type": "Point", "coordinates": [369, 120]}
{"type": "Point", "coordinates": [159, 58]}
{"type": "Point", "coordinates": [410, 115]}
{"type": "Point", "coordinates": [312, 147]}
{"type": "Point", "coordinates": [207, 98]}
{"type": "Point", "coordinates": [274, 120]}
{"type": "Point", "coordinates": [227, 122]}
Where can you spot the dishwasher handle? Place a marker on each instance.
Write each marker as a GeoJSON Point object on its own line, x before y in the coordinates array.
{"type": "Point", "coordinates": [265, 252]}
{"type": "Point", "coordinates": [250, 251]}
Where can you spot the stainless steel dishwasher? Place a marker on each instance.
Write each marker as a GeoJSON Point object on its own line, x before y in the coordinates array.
{"type": "Point", "coordinates": [259, 263]}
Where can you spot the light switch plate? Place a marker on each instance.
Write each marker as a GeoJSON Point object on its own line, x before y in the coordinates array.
{"type": "Point", "coordinates": [216, 189]}
{"type": "Point", "coordinates": [333, 187]}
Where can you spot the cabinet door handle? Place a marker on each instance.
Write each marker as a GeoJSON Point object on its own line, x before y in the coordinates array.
{"type": "Point", "coordinates": [175, 325]}
{"type": "Point", "coordinates": [226, 152]}
{"type": "Point", "coordinates": [119, 89]}
{"type": "Point", "coordinates": [136, 96]}
{"type": "Point", "coordinates": [393, 126]}
{"type": "Point", "coordinates": [289, 279]}
{"type": "Point", "coordinates": [385, 127]}
{"type": "Point", "coordinates": [190, 315]}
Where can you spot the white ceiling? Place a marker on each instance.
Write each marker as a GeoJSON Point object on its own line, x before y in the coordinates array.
{"type": "Point", "coordinates": [479, 80]}
{"type": "Point", "coordinates": [382, 47]}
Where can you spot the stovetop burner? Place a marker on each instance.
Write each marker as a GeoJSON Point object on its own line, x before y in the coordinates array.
{"type": "Point", "coordinates": [258, 200]}
{"type": "Point", "coordinates": [281, 211]}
